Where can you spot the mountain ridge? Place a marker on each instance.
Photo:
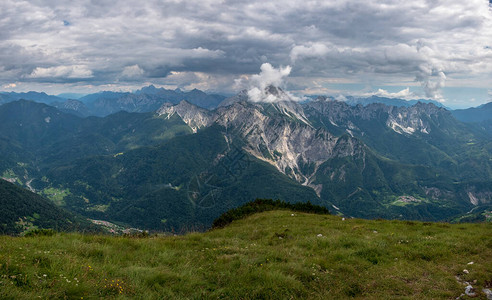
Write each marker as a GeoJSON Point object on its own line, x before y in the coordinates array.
{"type": "Point", "coordinates": [153, 170]}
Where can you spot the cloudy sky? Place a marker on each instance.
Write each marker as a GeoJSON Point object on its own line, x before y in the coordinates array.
{"type": "Point", "coordinates": [439, 49]}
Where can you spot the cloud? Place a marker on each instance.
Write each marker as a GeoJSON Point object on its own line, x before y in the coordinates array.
{"type": "Point", "coordinates": [432, 81]}
{"type": "Point", "coordinates": [371, 42]}
{"type": "Point", "coordinates": [313, 50]}
{"type": "Point", "coordinates": [270, 76]}
{"type": "Point", "coordinates": [77, 71]}
{"type": "Point", "coordinates": [267, 85]}
{"type": "Point", "coordinates": [9, 86]}
{"type": "Point", "coordinates": [341, 98]}
{"type": "Point", "coordinates": [403, 94]}
{"type": "Point", "coordinates": [132, 72]}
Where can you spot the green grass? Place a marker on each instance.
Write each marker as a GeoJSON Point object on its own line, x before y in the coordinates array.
{"type": "Point", "coordinates": [56, 195]}
{"type": "Point", "coordinates": [270, 255]}
{"type": "Point", "coordinates": [10, 175]}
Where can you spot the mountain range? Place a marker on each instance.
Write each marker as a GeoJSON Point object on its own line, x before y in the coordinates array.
{"type": "Point", "coordinates": [388, 101]}
{"type": "Point", "coordinates": [180, 166]}
{"type": "Point", "coordinates": [105, 103]}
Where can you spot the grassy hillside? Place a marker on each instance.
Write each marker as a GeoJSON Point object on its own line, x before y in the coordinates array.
{"type": "Point", "coordinates": [270, 255]}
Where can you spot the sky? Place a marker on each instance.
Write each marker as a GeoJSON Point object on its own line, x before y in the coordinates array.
{"type": "Point", "coordinates": [433, 49]}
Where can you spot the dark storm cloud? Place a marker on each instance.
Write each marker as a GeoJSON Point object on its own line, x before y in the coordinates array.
{"type": "Point", "coordinates": [98, 42]}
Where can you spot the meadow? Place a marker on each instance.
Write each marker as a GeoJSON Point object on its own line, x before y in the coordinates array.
{"type": "Point", "coordinates": [278, 254]}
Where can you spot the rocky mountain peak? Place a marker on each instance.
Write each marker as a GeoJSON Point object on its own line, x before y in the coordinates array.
{"type": "Point", "coordinates": [276, 94]}
{"type": "Point", "coordinates": [415, 118]}
{"type": "Point", "coordinates": [192, 115]}
{"type": "Point", "coordinates": [402, 119]}
{"type": "Point", "coordinates": [282, 132]}
{"type": "Point", "coordinates": [240, 97]}
{"type": "Point", "coordinates": [291, 109]}
{"type": "Point", "coordinates": [278, 133]}
{"type": "Point", "coordinates": [273, 90]}
{"type": "Point", "coordinates": [151, 89]}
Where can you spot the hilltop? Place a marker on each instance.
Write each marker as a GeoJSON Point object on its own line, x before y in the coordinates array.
{"type": "Point", "coordinates": [271, 255]}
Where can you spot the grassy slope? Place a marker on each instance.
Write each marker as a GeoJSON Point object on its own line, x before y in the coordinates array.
{"type": "Point", "coordinates": [269, 255]}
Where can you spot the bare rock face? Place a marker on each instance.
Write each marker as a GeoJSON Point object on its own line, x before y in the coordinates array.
{"type": "Point", "coordinates": [403, 120]}
{"type": "Point", "coordinates": [274, 136]}
{"type": "Point", "coordinates": [192, 115]}
{"type": "Point", "coordinates": [71, 104]}
{"type": "Point", "coordinates": [412, 119]}
{"type": "Point", "coordinates": [278, 133]}
{"type": "Point", "coordinates": [240, 97]}
{"type": "Point", "coordinates": [479, 197]}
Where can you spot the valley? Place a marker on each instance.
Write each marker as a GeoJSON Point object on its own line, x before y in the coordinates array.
{"type": "Point", "coordinates": [178, 168]}
{"type": "Point", "coordinates": [181, 149]}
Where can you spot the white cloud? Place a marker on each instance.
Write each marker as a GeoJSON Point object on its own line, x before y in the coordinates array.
{"type": "Point", "coordinates": [403, 94]}
{"type": "Point", "coordinates": [313, 50]}
{"type": "Point", "coordinates": [267, 85]}
{"type": "Point", "coordinates": [366, 41]}
{"type": "Point", "coordinates": [341, 98]}
{"type": "Point", "coordinates": [432, 81]}
{"type": "Point", "coordinates": [270, 76]}
{"type": "Point", "coordinates": [77, 71]}
{"type": "Point", "coordinates": [9, 86]}
{"type": "Point", "coordinates": [132, 72]}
